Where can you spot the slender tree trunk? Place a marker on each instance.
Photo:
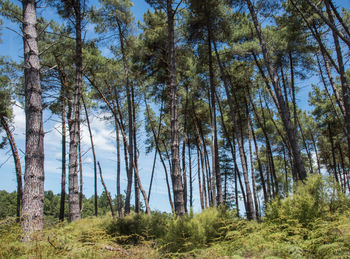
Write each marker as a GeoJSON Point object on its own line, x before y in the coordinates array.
{"type": "Point", "coordinates": [119, 198]}
{"type": "Point", "coordinates": [17, 162]}
{"type": "Point", "coordinates": [190, 171]}
{"type": "Point", "coordinates": [184, 172]}
{"type": "Point", "coordinates": [199, 178]}
{"type": "Point", "coordinates": [93, 153]}
{"type": "Point", "coordinates": [137, 188]}
{"type": "Point", "coordinates": [63, 179]}
{"type": "Point", "coordinates": [64, 89]}
{"type": "Point", "coordinates": [130, 124]}
{"type": "Point", "coordinates": [262, 178]}
{"type": "Point", "coordinates": [155, 136]}
{"type": "Point", "coordinates": [333, 153]}
{"type": "Point", "coordinates": [33, 195]}
{"type": "Point", "coordinates": [80, 174]}
{"type": "Point", "coordinates": [172, 84]}
{"type": "Point", "coordinates": [252, 166]}
{"type": "Point", "coordinates": [107, 193]}
{"type": "Point", "coordinates": [156, 150]}
{"type": "Point", "coordinates": [148, 210]}
{"type": "Point", "coordinates": [214, 147]}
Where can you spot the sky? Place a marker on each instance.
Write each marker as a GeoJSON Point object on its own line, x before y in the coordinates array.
{"type": "Point", "coordinates": [103, 133]}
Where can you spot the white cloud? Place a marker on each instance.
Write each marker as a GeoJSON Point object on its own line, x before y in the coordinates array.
{"type": "Point", "coordinates": [103, 136]}
{"type": "Point", "coordinates": [19, 119]}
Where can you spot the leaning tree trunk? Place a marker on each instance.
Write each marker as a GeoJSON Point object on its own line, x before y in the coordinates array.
{"type": "Point", "coordinates": [107, 193]}
{"type": "Point", "coordinates": [93, 155]}
{"type": "Point", "coordinates": [33, 195]}
{"type": "Point", "coordinates": [74, 209]}
{"type": "Point", "coordinates": [17, 165]}
{"type": "Point", "coordinates": [172, 84]}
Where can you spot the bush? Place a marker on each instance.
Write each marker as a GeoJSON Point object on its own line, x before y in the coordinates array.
{"type": "Point", "coordinates": [196, 231]}
{"type": "Point", "coordinates": [311, 200]}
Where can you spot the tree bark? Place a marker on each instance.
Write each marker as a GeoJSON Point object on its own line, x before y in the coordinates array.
{"type": "Point", "coordinates": [74, 209]}
{"type": "Point", "coordinates": [33, 195]}
{"type": "Point", "coordinates": [172, 84]}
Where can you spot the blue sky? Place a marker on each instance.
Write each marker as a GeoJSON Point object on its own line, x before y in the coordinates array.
{"type": "Point", "coordinates": [104, 136]}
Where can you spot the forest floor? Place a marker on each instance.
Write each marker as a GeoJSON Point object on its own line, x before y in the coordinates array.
{"type": "Point", "coordinates": [313, 222]}
{"type": "Point", "coordinates": [92, 238]}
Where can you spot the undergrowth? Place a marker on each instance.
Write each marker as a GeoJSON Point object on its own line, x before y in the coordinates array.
{"type": "Point", "coordinates": [314, 222]}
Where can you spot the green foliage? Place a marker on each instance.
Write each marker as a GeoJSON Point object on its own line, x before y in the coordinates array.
{"type": "Point", "coordinates": [311, 200]}
{"type": "Point", "coordinates": [135, 228]}
{"type": "Point", "coordinates": [196, 231]}
{"type": "Point", "coordinates": [8, 203]}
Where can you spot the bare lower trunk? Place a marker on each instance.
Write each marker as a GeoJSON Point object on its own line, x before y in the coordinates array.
{"type": "Point", "coordinates": [63, 179]}
{"type": "Point", "coordinates": [74, 209]}
{"type": "Point", "coordinates": [190, 173]}
{"type": "Point", "coordinates": [80, 174]}
{"type": "Point", "coordinates": [33, 195]}
{"type": "Point", "coordinates": [17, 162]}
{"type": "Point", "coordinates": [64, 89]}
{"type": "Point", "coordinates": [172, 84]}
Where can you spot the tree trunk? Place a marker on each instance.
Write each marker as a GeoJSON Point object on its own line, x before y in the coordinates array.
{"type": "Point", "coordinates": [80, 173]}
{"type": "Point", "coordinates": [64, 89]}
{"type": "Point", "coordinates": [130, 124]}
{"type": "Point", "coordinates": [172, 84]}
{"type": "Point", "coordinates": [199, 178]}
{"type": "Point", "coordinates": [33, 195]}
{"type": "Point", "coordinates": [107, 193]}
{"type": "Point", "coordinates": [190, 171]}
{"type": "Point", "coordinates": [74, 210]}
{"type": "Point", "coordinates": [256, 203]}
{"type": "Point", "coordinates": [93, 153]}
{"type": "Point", "coordinates": [119, 198]}
{"type": "Point", "coordinates": [214, 146]}
{"type": "Point", "coordinates": [17, 162]}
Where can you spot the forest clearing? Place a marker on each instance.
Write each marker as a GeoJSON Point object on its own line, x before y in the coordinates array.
{"type": "Point", "coordinates": [175, 129]}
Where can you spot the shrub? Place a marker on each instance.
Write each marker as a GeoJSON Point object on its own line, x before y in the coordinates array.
{"type": "Point", "coordinates": [311, 200]}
